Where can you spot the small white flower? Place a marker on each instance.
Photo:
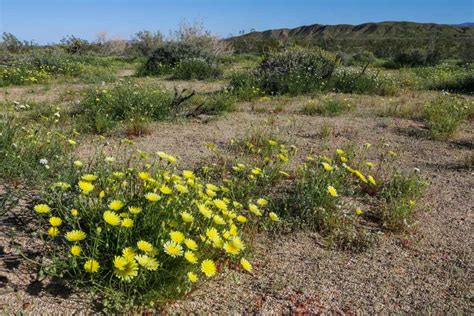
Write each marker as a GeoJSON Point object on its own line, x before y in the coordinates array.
{"type": "Point", "coordinates": [43, 161]}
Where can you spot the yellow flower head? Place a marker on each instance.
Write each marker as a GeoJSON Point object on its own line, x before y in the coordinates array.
{"type": "Point", "coordinates": [190, 244]}
{"type": "Point", "coordinates": [181, 188]}
{"type": "Point", "coordinates": [371, 180]}
{"type": "Point", "coordinates": [187, 217]}
{"type": "Point", "coordinates": [246, 265]}
{"type": "Point", "coordinates": [144, 175]}
{"type": "Point", "coordinates": [173, 249]}
{"type": "Point", "coordinates": [359, 212]}
{"type": "Point", "coordinates": [145, 246]}
{"type": "Point", "coordinates": [75, 250]}
{"type": "Point", "coordinates": [91, 266]}
{"type": "Point", "coordinates": [218, 220]}
{"type": "Point", "coordinates": [42, 208]}
{"type": "Point", "coordinates": [234, 246]}
{"type": "Point", "coordinates": [188, 174]}
{"type": "Point", "coordinates": [147, 262]}
{"type": "Point", "coordinates": [254, 209]}
{"type": "Point", "coordinates": [241, 218]}
{"type": "Point", "coordinates": [111, 218]}
{"type": "Point", "coordinates": [78, 164]}
{"type": "Point", "coordinates": [125, 269]}
{"type": "Point", "coordinates": [152, 197]}
{"type": "Point", "coordinates": [134, 209]}
{"type": "Point", "coordinates": [166, 189]}
{"type": "Point", "coordinates": [340, 152]}
{"type": "Point", "coordinates": [332, 191]}
{"type": "Point", "coordinates": [192, 277]}
{"type": "Point", "coordinates": [327, 166]}
{"type": "Point", "coordinates": [204, 210]}
{"type": "Point", "coordinates": [55, 221]}
{"type": "Point", "coordinates": [120, 262]}
{"type": "Point", "coordinates": [127, 222]}
{"type": "Point", "coordinates": [53, 231]}
{"type": "Point", "coordinates": [177, 237]}
{"type": "Point", "coordinates": [191, 257]}
{"type": "Point", "coordinates": [262, 202]}
{"type": "Point", "coordinates": [273, 216]}
{"type": "Point", "coordinates": [116, 205]}
{"type": "Point", "coordinates": [212, 233]}
{"type": "Point", "coordinates": [208, 267]}
{"type": "Point", "coordinates": [86, 186]}
{"type": "Point", "coordinates": [128, 253]}
{"type": "Point", "coordinates": [75, 235]}
{"type": "Point", "coordinates": [89, 177]}
{"type": "Point", "coordinates": [74, 212]}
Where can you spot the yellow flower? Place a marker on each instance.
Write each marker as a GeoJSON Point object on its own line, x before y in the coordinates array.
{"type": "Point", "coordinates": [173, 249]}
{"type": "Point", "coordinates": [360, 175]}
{"type": "Point", "coordinates": [91, 266]}
{"type": "Point", "coordinates": [218, 220]}
{"type": "Point", "coordinates": [181, 188]}
{"type": "Point", "coordinates": [370, 164]}
{"type": "Point", "coordinates": [327, 166]}
{"type": "Point", "coordinates": [241, 218]}
{"type": "Point", "coordinates": [55, 221]}
{"type": "Point", "coordinates": [343, 159]}
{"type": "Point", "coordinates": [111, 218]}
{"type": "Point", "coordinates": [102, 194]}
{"type": "Point", "coordinates": [144, 175]}
{"type": "Point", "coordinates": [128, 271]}
{"type": "Point", "coordinates": [177, 237]}
{"type": "Point", "coordinates": [359, 212]}
{"type": "Point", "coordinates": [234, 246]}
{"type": "Point", "coordinates": [77, 164]}
{"type": "Point", "coordinates": [116, 205]}
{"type": "Point", "coordinates": [332, 191]}
{"type": "Point", "coordinates": [145, 246]}
{"type": "Point", "coordinates": [220, 204]}
{"type": "Point", "coordinates": [254, 209]}
{"type": "Point", "coordinates": [53, 231]}
{"type": "Point", "coordinates": [191, 257]}
{"type": "Point", "coordinates": [120, 262]}
{"type": "Point", "coordinates": [152, 197]}
{"type": "Point", "coordinates": [256, 171]}
{"type": "Point", "coordinates": [192, 277]}
{"type": "Point", "coordinates": [75, 235]}
{"type": "Point", "coordinates": [190, 244]}
{"type": "Point", "coordinates": [134, 209]}
{"type": "Point", "coordinates": [274, 217]}
{"type": "Point", "coordinates": [411, 203]}
{"type": "Point", "coordinates": [212, 233]}
{"type": "Point", "coordinates": [371, 180]}
{"type": "Point", "coordinates": [340, 152]}
{"type": "Point", "coordinates": [86, 186]}
{"type": "Point", "coordinates": [246, 265]}
{"type": "Point", "coordinates": [208, 268]}
{"type": "Point", "coordinates": [188, 174]}
{"type": "Point", "coordinates": [75, 250]}
{"type": "Point", "coordinates": [147, 262]}
{"type": "Point", "coordinates": [187, 217]}
{"type": "Point", "coordinates": [204, 210]}
{"type": "Point", "coordinates": [89, 177]}
{"type": "Point", "coordinates": [128, 253]}
{"type": "Point", "coordinates": [262, 202]}
{"type": "Point", "coordinates": [166, 189]}
{"type": "Point", "coordinates": [71, 142]}
{"type": "Point", "coordinates": [42, 208]}
{"type": "Point", "coordinates": [127, 222]}
{"type": "Point", "coordinates": [74, 212]}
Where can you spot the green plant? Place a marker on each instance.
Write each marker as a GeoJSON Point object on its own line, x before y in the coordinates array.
{"type": "Point", "coordinates": [444, 115]}
{"type": "Point", "coordinates": [350, 80]}
{"type": "Point", "coordinates": [400, 193]}
{"type": "Point", "coordinates": [196, 68]}
{"type": "Point", "coordinates": [245, 85]}
{"type": "Point", "coordinates": [328, 107]}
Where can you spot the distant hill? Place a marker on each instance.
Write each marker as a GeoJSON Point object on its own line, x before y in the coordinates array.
{"type": "Point", "coordinates": [369, 36]}
{"type": "Point", "coordinates": [469, 24]}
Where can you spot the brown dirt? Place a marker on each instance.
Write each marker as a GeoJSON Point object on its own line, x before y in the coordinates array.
{"type": "Point", "coordinates": [429, 270]}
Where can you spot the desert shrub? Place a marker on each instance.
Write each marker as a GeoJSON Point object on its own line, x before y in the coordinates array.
{"type": "Point", "coordinates": [350, 80]}
{"type": "Point", "coordinates": [210, 104]}
{"type": "Point", "coordinates": [144, 43]}
{"type": "Point", "coordinates": [196, 68]}
{"type": "Point", "coordinates": [444, 115]}
{"type": "Point", "coordinates": [166, 57]}
{"type": "Point", "coordinates": [143, 232]}
{"type": "Point", "coordinates": [462, 83]}
{"type": "Point", "coordinates": [328, 107]}
{"type": "Point", "coordinates": [400, 193]}
{"type": "Point", "coordinates": [101, 109]}
{"type": "Point", "coordinates": [295, 71]}
{"type": "Point", "coordinates": [416, 57]}
{"type": "Point", "coordinates": [245, 85]}
{"type": "Point", "coordinates": [32, 151]}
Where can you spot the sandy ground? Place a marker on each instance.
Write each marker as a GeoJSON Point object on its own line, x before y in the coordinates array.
{"type": "Point", "coordinates": [429, 270]}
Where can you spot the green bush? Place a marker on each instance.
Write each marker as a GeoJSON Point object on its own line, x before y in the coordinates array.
{"type": "Point", "coordinates": [245, 85]}
{"type": "Point", "coordinates": [351, 80]}
{"type": "Point", "coordinates": [463, 83]}
{"type": "Point", "coordinates": [444, 115]}
{"type": "Point", "coordinates": [295, 71]}
{"type": "Point", "coordinates": [100, 110]}
{"type": "Point", "coordinates": [416, 57]}
{"type": "Point", "coordinates": [196, 68]}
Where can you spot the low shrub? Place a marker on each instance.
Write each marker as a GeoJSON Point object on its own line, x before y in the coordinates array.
{"type": "Point", "coordinates": [101, 109]}
{"type": "Point", "coordinates": [211, 104]}
{"type": "Point", "coordinates": [245, 85]}
{"type": "Point", "coordinates": [444, 115]}
{"type": "Point", "coordinates": [350, 80]}
{"type": "Point", "coordinates": [295, 71]}
{"type": "Point", "coordinates": [416, 57]}
{"type": "Point", "coordinates": [196, 68]}
{"type": "Point", "coordinates": [142, 232]}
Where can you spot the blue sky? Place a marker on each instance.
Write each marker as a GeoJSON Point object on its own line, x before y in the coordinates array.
{"type": "Point", "coordinates": [49, 20]}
